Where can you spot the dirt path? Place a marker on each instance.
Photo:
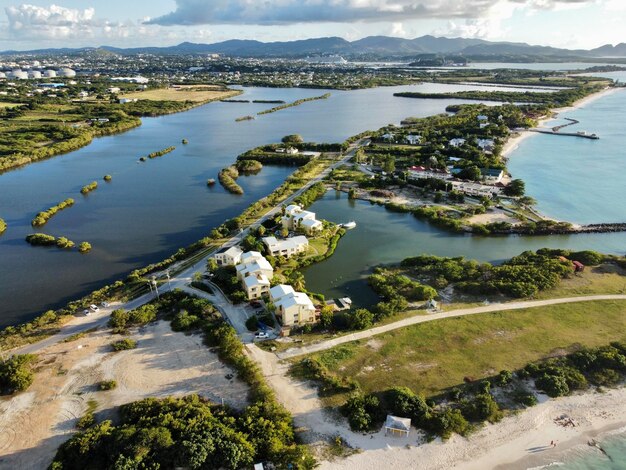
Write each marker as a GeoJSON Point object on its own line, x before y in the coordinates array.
{"type": "Point", "coordinates": [33, 424]}
{"type": "Point", "coordinates": [321, 346]}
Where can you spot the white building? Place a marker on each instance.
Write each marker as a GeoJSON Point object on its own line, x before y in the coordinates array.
{"type": "Point", "coordinates": [292, 308]}
{"type": "Point", "coordinates": [255, 274]}
{"type": "Point", "coordinates": [228, 256]}
{"type": "Point", "coordinates": [49, 74]}
{"type": "Point", "coordinates": [296, 218]}
{"type": "Point", "coordinates": [419, 172]}
{"type": "Point", "coordinates": [413, 139]}
{"type": "Point", "coordinates": [486, 144]}
{"type": "Point", "coordinates": [288, 247]}
{"type": "Point", "coordinates": [113, 89]}
{"type": "Point", "coordinates": [127, 100]}
{"type": "Point", "coordinates": [256, 286]}
{"type": "Point", "coordinates": [457, 142]}
{"type": "Point", "coordinates": [257, 266]}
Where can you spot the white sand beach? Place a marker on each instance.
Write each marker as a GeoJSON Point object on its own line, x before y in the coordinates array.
{"type": "Point", "coordinates": [517, 138]}
{"type": "Point", "coordinates": [517, 442]}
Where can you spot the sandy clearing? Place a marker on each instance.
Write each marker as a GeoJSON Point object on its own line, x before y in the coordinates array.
{"type": "Point", "coordinates": [491, 217]}
{"type": "Point", "coordinates": [35, 423]}
{"type": "Point", "coordinates": [181, 94]}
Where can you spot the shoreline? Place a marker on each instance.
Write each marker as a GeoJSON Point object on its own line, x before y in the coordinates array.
{"type": "Point", "coordinates": [515, 139]}
{"type": "Point", "coordinates": [518, 442]}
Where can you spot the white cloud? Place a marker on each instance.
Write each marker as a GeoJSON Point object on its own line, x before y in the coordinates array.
{"type": "Point", "coordinates": [274, 12]}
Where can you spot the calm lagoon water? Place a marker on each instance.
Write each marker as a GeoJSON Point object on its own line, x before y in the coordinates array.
{"type": "Point", "coordinates": [383, 237]}
{"type": "Point", "coordinates": [151, 209]}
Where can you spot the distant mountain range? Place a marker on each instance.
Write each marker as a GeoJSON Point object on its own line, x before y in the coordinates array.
{"type": "Point", "coordinates": [370, 47]}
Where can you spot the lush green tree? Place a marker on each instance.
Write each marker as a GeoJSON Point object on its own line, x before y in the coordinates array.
{"type": "Point", "coordinates": [16, 373]}
{"type": "Point", "coordinates": [361, 319]}
{"type": "Point", "coordinates": [516, 187]}
{"type": "Point", "coordinates": [292, 139]}
{"type": "Point", "coordinates": [327, 316]}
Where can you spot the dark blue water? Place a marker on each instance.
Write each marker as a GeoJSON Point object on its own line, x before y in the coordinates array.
{"type": "Point", "coordinates": [151, 209]}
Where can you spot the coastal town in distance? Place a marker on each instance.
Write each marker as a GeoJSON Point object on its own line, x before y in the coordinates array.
{"type": "Point", "coordinates": [313, 235]}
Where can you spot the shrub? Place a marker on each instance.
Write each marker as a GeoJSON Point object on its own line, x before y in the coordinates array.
{"type": "Point", "coordinates": [183, 321]}
{"type": "Point", "coordinates": [16, 373]}
{"type": "Point", "coordinates": [361, 319]}
{"type": "Point", "coordinates": [41, 239]}
{"type": "Point", "coordinates": [252, 323]}
{"type": "Point", "coordinates": [525, 398]}
{"type": "Point", "coordinates": [481, 407]}
{"type": "Point", "coordinates": [84, 247]}
{"type": "Point", "coordinates": [124, 344]}
{"type": "Point", "coordinates": [552, 385]}
{"type": "Point", "coordinates": [107, 178]}
{"type": "Point", "coordinates": [362, 411]}
{"type": "Point", "coordinates": [106, 385]}
{"type": "Point", "coordinates": [89, 187]}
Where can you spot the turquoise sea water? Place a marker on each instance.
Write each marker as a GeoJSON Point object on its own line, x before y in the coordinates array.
{"type": "Point", "coordinates": [615, 458]}
{"type": "Point", "coordinates": [575, 179]}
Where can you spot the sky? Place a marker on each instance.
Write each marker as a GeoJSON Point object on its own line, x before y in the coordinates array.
{"type": "Point", "coordinates": [569, 24]}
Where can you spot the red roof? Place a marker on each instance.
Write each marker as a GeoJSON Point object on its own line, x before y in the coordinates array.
{"type": "Point", "coordinates": [578, 264]}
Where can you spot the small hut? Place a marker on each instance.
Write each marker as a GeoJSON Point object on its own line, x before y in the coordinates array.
{"type": "Point", "coordinates": [578, 266]}
{"type": "Point", "coordinates": [397, 426]}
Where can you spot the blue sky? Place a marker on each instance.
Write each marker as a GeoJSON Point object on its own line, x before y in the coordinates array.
{"type": "Point", "coordinates": [127, 23]}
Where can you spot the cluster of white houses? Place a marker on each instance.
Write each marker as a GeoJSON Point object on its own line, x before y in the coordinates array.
{"type": "Point", "coordinates": [255, 272]}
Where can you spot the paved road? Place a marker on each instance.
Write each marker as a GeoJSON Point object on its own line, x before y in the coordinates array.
{"type": "Point", "coordinates": [235, 314]}
{"type": "Point", "coordinates": [321, 346]}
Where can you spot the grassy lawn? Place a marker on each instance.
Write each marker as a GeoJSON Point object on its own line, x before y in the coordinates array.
{"type": "Point", "coordinates": [603, 279]}
{"type": "Point", "coordinates": [434, 356]}
{"type": "Point", "coordinates": [9, 105]}
{"type": "Point", "coordinates": [198, 94]}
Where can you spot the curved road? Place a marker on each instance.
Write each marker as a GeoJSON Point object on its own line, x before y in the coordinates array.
{"type": "Point", "coordinates": [321, 346]}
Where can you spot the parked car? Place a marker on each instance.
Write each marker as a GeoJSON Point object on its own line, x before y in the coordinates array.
{"type": "Point", "coordinates": [87, 312]}
{"type": "Point", "coordinates": [104, 304]}
{"type": "Point", "coordinates": [94, 308]}
{"type": "Point", "coordinates": [256, 304]}
{"type": "Point", "coordinates": [261, 335]}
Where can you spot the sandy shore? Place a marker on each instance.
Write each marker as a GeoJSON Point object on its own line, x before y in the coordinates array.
{"type": "Point", "coordinates": [517, 138]}
{"type": "Point", "coordinates": [518, 442]}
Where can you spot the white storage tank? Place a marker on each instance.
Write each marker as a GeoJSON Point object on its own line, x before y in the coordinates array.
{"type": "Point", "coordinates": [66, 73]}
{"type": "Point", "coordinates": [49, 74]}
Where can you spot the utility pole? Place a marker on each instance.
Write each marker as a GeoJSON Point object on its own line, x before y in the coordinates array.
{"type": "Point", "coordinates": [156, 288]}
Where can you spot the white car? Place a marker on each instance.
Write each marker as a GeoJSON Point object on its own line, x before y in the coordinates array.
{"type": "Point", "coordinates": [94, 308]}
{"type": "Point", "coordinates": [261, 335]}
{"type": "Point", "coordinates": [87, 312]}
{"type": "Point", "coordinates": [104, 304]}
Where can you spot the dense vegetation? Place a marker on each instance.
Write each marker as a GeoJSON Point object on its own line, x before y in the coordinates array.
{"type": "Point", "coordinates": [84, 247]}
{"type": "Point", "coordinates": [124, 344]}
{"type": "Point", "coordinates": [3, 226]}
{"type": "Point", "coordinates": [89, 187]}
{"type": "Point", "coordinates": [16, 373]}
{"type": "Point", "coordinates": [227, 177]}
{"type": "Point", "coordinates": [41, 239]}
{"type": "Point", "coordinates": [249, 166]}
{"type": "Point", "coordinates": [295, 103]}
{"type": "Point", "coordinates": [522, 276]}
{"type": "Point", "coordinates": [160, 153]}
{"type": "Point", "coordinates": [42, 217]}
{"type": "Point", "coordinates": [560, 98]}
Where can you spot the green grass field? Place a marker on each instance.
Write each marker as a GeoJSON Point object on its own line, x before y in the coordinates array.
{"type": "Point", "coordinates": [434, 356]}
